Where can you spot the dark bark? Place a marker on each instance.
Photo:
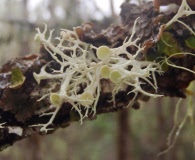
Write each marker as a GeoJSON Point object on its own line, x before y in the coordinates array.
{"type": "Point", "coordinates": [161, 128]}
{"type": "Point", "coordinates": [20, 109]}
{"type": "Point", "coordinates": [124, 141]}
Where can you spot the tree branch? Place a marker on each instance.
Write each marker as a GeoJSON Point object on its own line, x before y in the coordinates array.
{"type": "Point", "coordinates": [21, 109]}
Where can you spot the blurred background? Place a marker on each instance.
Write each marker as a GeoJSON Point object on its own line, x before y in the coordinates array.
{"type": "Point", "coordinates": [126, 135]}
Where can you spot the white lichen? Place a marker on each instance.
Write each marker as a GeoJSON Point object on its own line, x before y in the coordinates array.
{"type": "Point", "coordinates": [180, 122]}
{"type": "Point", "coordinates": [81, 71]}
{"type": "Point", "coordinates": [183, 11]}
{"type": "Point", "coordinates": [15, 130]}
{"type": "Point", "coordinates": [168, 62]}
{"type": "Point", "coordinates": [2, 125]}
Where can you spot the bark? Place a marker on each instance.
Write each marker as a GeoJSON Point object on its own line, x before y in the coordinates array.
{"type": "Point", "coordinates": [124, 142]}
{"type": "Point", "coordinates": [20, 109]}
{"type": "Point", "coordinates": [161, 127]}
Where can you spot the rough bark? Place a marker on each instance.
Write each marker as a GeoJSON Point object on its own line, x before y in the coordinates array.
{"type": "Point", "coordinates": [20, 109]}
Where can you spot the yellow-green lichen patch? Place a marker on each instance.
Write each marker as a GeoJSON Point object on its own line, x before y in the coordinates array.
{"type": "Point", "coordinates": [103, 52]}
{"type": "Point", "coordinates": [87, 99]}
{"type": "Point", "coordinates": [17, 78]}
{"type": "Point", "coordinates": [115, 76]}
{"type": "Point", "coordinates": [55, 99]}
{"type": "Point", "coordinates": [105, 71]}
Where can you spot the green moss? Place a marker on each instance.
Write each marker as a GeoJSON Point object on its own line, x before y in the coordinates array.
{"type": "Point", "coordinates": [168, 45]}
{"type": "Point", "coordinates": [190, 42]}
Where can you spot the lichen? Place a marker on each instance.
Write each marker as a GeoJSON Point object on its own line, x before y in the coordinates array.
{"type": "Point", "coordinates": [17, 78]}
{"type": "Point", "coordinates": [81, 71]}
{"type": "Point", "coordinates": [82, 66]}
{"type": "Point", "coordinates": [2, 125]}
{"type": "Point", "coordinates": [184, 10]}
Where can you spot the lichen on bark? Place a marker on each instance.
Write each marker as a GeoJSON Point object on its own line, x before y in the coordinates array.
{"type": "Point", "coordinates": [21, 107]}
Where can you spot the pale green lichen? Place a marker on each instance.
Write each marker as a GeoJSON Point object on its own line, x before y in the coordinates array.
{"type": "Point", "coordinates": [81, 68]}
{"type": "Point", "coordinates": [17, 78]}
{"type": "Point", "coordinates": [105, 71]}
{"type": "Point", "coordinates": [103, 53]}
{"type": "Point", "coordinates": [115, 76]}
{"type": "Point", "coordinates": [55, 99]}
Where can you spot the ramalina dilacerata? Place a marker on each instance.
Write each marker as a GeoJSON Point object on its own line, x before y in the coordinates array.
{"type": "Point", "coordinates": [81, 71]}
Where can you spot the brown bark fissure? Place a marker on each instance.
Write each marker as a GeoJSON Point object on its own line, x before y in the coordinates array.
{"type": "Point", "coordinates": [20, 109]}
